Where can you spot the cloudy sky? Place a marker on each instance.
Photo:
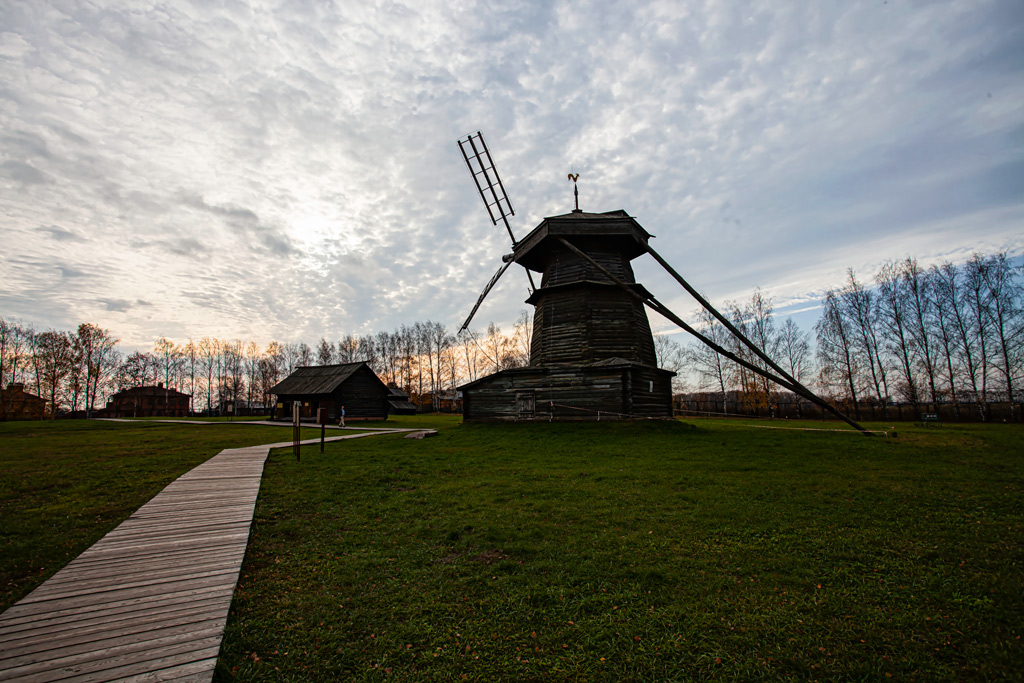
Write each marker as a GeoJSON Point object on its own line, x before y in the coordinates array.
{"type": "Point", "coordinates": [288, 170]}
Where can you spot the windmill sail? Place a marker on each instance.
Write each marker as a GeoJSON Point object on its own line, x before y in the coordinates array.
{"type": "Point", "coordinates": [488, 183]}
{"type": "Point", "coordinates": [504, 266]}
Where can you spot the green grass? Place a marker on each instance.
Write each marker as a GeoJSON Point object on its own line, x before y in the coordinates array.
{"type": "Point", "coordinates": [653, 551]}
{"type": "Point", "coordinates": [65, 484]}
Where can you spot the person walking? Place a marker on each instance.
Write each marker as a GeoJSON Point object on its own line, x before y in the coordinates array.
{"type": "Point", "coordinates": [341, 423]}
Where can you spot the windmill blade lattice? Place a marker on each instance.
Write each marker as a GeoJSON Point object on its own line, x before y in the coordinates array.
{"type": "Point", "coordinates": [488, 183]}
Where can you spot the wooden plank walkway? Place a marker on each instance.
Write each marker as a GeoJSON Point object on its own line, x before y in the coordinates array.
{"type": "Point", "coordinates": [148, 601]}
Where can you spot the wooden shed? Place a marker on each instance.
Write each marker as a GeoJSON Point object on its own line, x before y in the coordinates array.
{"type": "Point", "coordinates": [399, 403]}
{"type": "Point", "coordinates": [352, 385]}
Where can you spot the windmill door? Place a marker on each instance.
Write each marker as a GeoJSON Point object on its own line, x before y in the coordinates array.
{"type": "Point", "coordinates": [525, 404]}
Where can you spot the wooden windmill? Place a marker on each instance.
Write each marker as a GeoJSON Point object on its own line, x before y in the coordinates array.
{"type": "Point", "coordinates": [592, 352]}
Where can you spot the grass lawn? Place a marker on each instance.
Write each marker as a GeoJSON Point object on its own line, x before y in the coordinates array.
{"type": "Point", "coordinates": [65, 484]}
{"type": "Point", "coordinates": [712, 550]}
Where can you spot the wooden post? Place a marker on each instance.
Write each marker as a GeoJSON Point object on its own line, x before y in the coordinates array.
{"type": "Point", "coordinates": [321, 417]}
{"type": "Point", "coordinates": [296, 427]}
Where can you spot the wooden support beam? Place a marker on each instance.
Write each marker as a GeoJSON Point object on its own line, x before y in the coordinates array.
{"type": "Point", "coordinates": [785, 380]}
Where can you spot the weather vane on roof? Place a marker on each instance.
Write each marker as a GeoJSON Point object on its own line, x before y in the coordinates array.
{"type": "Point", "coordinates": [575, 190]}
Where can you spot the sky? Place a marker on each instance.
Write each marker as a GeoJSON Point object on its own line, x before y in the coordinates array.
{"type": "Point", "coordinates": [289, 170]}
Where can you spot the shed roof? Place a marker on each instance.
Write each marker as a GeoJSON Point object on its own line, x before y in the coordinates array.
{"type": "Point", "coordinates": [316, 379]}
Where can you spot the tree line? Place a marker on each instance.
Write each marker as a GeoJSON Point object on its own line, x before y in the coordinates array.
{"type": "Point", "coordinates": [79, 370]}
{"type": "Point", "coordinates": [947, 334]}
{"type": "Point", "coordinates": [952, 333]}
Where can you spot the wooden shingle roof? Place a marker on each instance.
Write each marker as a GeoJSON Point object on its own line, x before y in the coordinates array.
{"type": "Point", "coordinates": [315, 379]}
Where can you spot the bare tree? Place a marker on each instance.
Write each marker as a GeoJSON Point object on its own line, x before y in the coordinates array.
{"type": "Point", "coordinates": [522, 337]}
{"type": "Point", "coordinates": [190, 366]}
{"type": "Point", "coordinates": [405, 341]}
{"type": "Point", "coordinates": [16, 351]}
{"type": "Point", "coordinates": [893, 310]}
{"type": "Point", "coordinates": [271, 365]}
{"type": "Point", "coordinates": [1006, 317]}
{"type": "Point", "coordinates": [421, 339]}
{"type": "Point", "coordinates": [138, 369]}
{"type": "Point", "coordinates": [495, 346]}
{"type": "Point", "coordinates": [209, 353]}
{"type": "Point", "coordinates": [836, 357]}
{"type": "Point", "coordinates": [234, 372]}
{"type": "Point", "coordinates": [53, 359]}
{"type": "Point", "coordinates": [304, 356]}
{"type": "Point", "coordinates": [795, 351]}
{"type": "Point", "coordinates": [366, 351]}
{"type": "Point", "coordinates": [472, 352]}
{"type": "Point", "coordinates": [75, 383]}
{"type": "Point", "coordinates": [978, 301]}
{"type": "Point", "coordinates": [712, 368]}
{"type": "Point", "coordinates": [324, 352]}
{"type": "Point", "coordinates": [760, 323]}
{"type": "Point", "coordinates": [943, 294]}
{"type": "Point", "coordinates": [93, 347]}
{"type": "Point", "coordinates": [918, 288]}
{"type": "Point", "coordinates": [347, 349]}
{"type": "Point", "coordinates": [251, 362]}
{"type": "Point", "coordinates": [670, 355]}
{"type": "Point", "coordinates": [387, 354]}
{"type": "Point", "coordinates": [441, 343]}
{"type": "Point", "coordinates": [860, 306]}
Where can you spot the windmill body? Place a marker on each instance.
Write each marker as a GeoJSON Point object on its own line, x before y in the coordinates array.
{"type": "Point", "coordinates": [592, 353]}
{"type": "Point", "coordinates": [581, 316]}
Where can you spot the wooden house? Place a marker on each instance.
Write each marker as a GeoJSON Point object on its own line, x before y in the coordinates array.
{"type": "Point", "coordinates": [592, 353]}
{"type": "Point", "coordinates": [352, 385]}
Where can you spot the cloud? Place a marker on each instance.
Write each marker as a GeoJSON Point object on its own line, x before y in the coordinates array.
{"type": "Point", "coordinates": [22, 173]}
{"type": "Point", "coordinates": [246, 224]}
{"type": "Point", "coordinates": [291, 171]}
{"type": "Point", "coordinates": [60, 234]}
{"type": "Point", "coordinates": [123, 305]}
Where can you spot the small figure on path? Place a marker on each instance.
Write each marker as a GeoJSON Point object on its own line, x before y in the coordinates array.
{"type": "Point", "coordinates": [341, 422]}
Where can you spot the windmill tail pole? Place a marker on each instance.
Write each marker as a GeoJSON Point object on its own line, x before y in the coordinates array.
{"type": "Point", "coordinates": [722, 319]}
{"type": "Point", "coordinates": [785, 381]}
{"type": "Point", "coordinates": [796, 388]}
{"type": "Point", "coordinates": [805, 392]}
{"type": "Point", "coordinates": [660, 308]}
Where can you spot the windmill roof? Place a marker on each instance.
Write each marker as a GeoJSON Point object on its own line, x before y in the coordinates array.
{"type": "Point", "coordinates": [316, 379]}
{"type": "Point", "coordinates": [618, 213]}
{"type": "Point", "coordinates": [612, 225]}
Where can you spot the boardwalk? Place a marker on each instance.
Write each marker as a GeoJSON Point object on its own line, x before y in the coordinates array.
{"type": "Point", "coordinates": [148, 601]}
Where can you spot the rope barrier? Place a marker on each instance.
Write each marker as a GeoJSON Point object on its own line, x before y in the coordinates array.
{"type": "Point", "coordinates": [552, 405]}
{"type": "Point", "coordinates": [599, 413]}
{"type": "Point", "coordinates": [815, 429]}
{"type": "Point", "coordinates": [733, 415]}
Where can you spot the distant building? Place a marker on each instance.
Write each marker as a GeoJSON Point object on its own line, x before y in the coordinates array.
{"type": "Point", "coordinates": [399, 403]}
{"type": "Point", "coordinates": [147, 401]}
{"type": "Point", "coordinates": [352, 385]}
{"type": "Point", "coordinates": [18, 404]}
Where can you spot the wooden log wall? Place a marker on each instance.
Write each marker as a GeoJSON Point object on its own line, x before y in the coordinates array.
{"type": "Point", "coordinates": [581, 316]}
{"type": "Point", "coordinates": [570, 393]}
